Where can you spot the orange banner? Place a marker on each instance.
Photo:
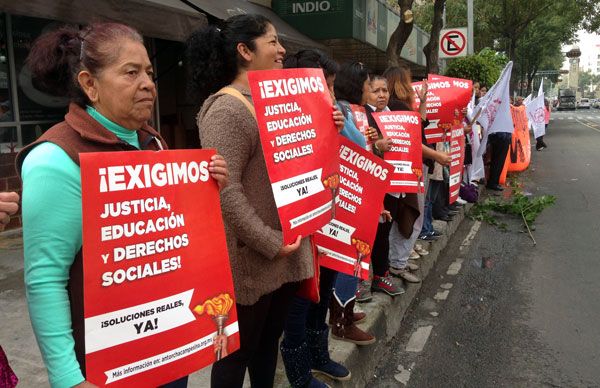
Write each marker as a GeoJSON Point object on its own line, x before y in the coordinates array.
{"type": "Point", "coordinates": [519, 153]}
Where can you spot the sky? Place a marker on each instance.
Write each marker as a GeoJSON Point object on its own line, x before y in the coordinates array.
{"type": "Point", "coordinates": [589, 44]}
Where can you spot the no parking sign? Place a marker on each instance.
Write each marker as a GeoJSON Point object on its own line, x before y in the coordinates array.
{"type": "Point", "coordinates": [453, 43]}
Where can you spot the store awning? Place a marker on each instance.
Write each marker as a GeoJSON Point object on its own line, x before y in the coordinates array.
{"type": "Point", "coordinates": [292, 39]}
{"type": "Point", "coordinates": [165, 19]}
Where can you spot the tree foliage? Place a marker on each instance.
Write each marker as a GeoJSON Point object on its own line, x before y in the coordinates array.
{"type": "Point", "coordinates": [484, 67]}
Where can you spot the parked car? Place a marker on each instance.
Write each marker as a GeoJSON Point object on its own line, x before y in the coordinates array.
{"type": "Point", "coordinates": [584, 103]}
{"type": "Point", "coordinates": [596, 104]}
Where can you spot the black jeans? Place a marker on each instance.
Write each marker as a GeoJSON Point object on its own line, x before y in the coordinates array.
{"type": "Point", "coordinates": [380, 259]}
{"type": "Point", "coordinates": [261, 325]}
{"type": "Point", "coordinates": [303, 314]}
{"type": "Point", "coordinates": [499, 145]}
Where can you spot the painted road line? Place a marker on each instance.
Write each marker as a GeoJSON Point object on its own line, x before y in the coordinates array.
{"type": "Point", "coordinates": [404, 374]}
{"type": "Point", "coordinates": [470, 236]}
{"type": "Point", "coordinates": [418, 339]}
{"type": "Point", "coordinates": [589, 126]}
{"type": "Point", "coordinates": [443, 295]}
{"type": "Point", "coordinates": [454, 268]}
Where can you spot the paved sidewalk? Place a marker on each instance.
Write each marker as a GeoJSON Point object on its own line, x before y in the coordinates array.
{"type": "Point", "coordinates": [384, 319]}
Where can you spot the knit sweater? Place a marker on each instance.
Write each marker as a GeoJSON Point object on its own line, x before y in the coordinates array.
{"type": "Point", "coordinates": [252, 224]}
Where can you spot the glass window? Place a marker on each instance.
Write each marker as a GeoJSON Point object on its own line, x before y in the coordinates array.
{"type": "Point", "coordinates": [8, 139]}
{"type": "Point", "coordinates": [6, 109]}
{"type": "Point", "coordinates": [30, 132]}
{"type": "Point", "coordinates": [34, 105]}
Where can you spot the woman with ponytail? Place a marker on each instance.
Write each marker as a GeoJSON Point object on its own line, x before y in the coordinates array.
{"type": "Point", "coordinates": [266, 273]}
{"type": "Point", "coordinates": [105, 71]}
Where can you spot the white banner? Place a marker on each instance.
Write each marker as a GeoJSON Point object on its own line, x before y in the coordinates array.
{"type": "Point", "coordinates": [536, 114]}
{"type": "Point", "coordinates": [121, 326]}
{"type": "Point", "coordinates": [495, 108]}
{"type": "Point", "coordinates": [297, 188]}
{"type": "Point", "coordinates": [476, 170]}
{"type": "Point", "coordinates": [339, 231]}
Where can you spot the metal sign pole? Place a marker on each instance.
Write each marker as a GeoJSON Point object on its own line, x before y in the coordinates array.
{"type": "Point", "coordinates": [470, 43]}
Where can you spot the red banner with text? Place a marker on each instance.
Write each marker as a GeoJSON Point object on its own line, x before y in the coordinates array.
{"type": "Point", "coordinates": [362, 123]}
{"type": "Point", "coordinates": [159, 302]}
{"type": "Point", "coordinates": [404, 128]}
{"type": "Point", "coordinates": [300, 144]}
{"type": "Point", "coordinates": [446, 98]}
{"type": "Point", "coordinates": [457, 153]}
{"type": "Point", "coordinates": [346, 242]}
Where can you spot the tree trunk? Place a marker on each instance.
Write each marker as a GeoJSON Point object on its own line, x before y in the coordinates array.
{"type": "Point", "coordinates": [400, 34]}
{"type": "Point", "coordinates": [431, 49]}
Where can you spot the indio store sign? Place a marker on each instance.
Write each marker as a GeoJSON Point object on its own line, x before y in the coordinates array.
{"type": "Point", "coordinates": [310, 6]}
{"type": "Point", "coordinates": [319, 19]}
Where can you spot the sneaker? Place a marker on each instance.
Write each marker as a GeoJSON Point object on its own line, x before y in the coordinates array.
{"type": "Point", "coordinates": [404, 273]}
{"type": "Point", "coordinates": [412, 266]}
{"type": "Point", "coordinates": [414, 255]}
{"type": "Point", "coordinates": [386, 284]}
{"type": "Point", "coordinates": [363, 294]}
{"type": "Point", "coordinates": [437, 233]}
{"type": "Point", "coordinates": [461, 201]}
{"type": "Point", "coordinates": [420, 250]}
{"type": "Point", "coordinates": [428, 237]}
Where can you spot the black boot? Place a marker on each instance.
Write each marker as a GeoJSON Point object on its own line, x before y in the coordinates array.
{"type": "Point", "coordinates": [320, 362]}
{"type": "Point", "coordinates": [297, 366]}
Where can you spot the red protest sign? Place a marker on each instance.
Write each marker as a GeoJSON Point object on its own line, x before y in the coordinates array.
{"type": "Point", "coordinates": [300, 144]}
{"type": "Point", "coordinates": [404, 128]}
{"type": "Point", "coordinates": [345, 244]}
{"type": "Point", "coordinates": [157, 280]}
{"type": "Point", "coordinates": [446, 98]}
{"type": "Point", "coordinates": [362, 123]}
{"type": "Point", "coordinates": [457, 153]}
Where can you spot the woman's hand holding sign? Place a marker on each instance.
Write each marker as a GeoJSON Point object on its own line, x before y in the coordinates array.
{"type": "Point", "coordinates": [287, 250]}
{"type": "Point", "coordinates": [218, 170]}
{"type": "Point", "coordinates": [338, 119]}
{"type": "Point", "coordinates": [383, 145]}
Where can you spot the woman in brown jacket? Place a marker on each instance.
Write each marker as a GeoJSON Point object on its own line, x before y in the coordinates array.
{"type": "Point", "coordinates": [266, 273]}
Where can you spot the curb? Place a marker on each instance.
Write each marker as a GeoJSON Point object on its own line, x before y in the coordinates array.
{"type": "Point", "coordinates": [385, 315]}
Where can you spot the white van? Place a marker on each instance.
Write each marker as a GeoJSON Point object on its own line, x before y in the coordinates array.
{"type": "Point", "coordinates": [584, 103]}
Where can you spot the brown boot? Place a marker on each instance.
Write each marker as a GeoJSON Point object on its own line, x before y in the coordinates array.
{"type": "Point", "coordinates": [343, 327]}
{"type": "Point", "coordinates": [357, 316]}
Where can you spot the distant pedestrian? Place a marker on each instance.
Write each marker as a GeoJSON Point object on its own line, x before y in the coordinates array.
{"type": "Point", "coordinates": [539, 141]}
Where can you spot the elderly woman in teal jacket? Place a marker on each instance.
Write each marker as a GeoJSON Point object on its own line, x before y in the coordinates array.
{"type": "Point", "coordinates": [105, 71]}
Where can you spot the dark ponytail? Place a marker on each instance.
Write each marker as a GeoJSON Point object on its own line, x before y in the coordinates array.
{"type": "Point", "coordinates": [312, 58]}
{"type": "Point", "coordinates": [211, 52]}
{"type": "Point", "coordinates": [54, 61]}
{"type": "Point", "coordinates": [57, 57]}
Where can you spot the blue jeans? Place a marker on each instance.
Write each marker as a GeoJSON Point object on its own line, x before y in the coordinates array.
{"type": "Point", "coordinates": [345, 288]}
{"type": "Point", "coordinates": [303, 314]}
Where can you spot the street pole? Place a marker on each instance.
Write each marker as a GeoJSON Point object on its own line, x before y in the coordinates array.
{"type": "Point", "coordinates": [470, 43]}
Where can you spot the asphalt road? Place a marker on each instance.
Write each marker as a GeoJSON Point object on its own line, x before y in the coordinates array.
{"type": "Point", "coordinates": [517, 315]}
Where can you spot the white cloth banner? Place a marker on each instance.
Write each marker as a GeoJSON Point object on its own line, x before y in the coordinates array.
{"type": "Point", "coordinates": [495, 107]}
{"type": "Point", "coordinates": [475, 170]}
{"type": "Point", "coordinates": [537, 116]}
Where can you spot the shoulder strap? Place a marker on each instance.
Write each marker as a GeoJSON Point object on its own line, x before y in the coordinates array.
{"type": "Point", "coordinates": [236, 93]}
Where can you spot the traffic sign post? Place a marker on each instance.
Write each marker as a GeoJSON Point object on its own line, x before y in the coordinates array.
{"type": "Point", "coordinates": [453, 42]}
